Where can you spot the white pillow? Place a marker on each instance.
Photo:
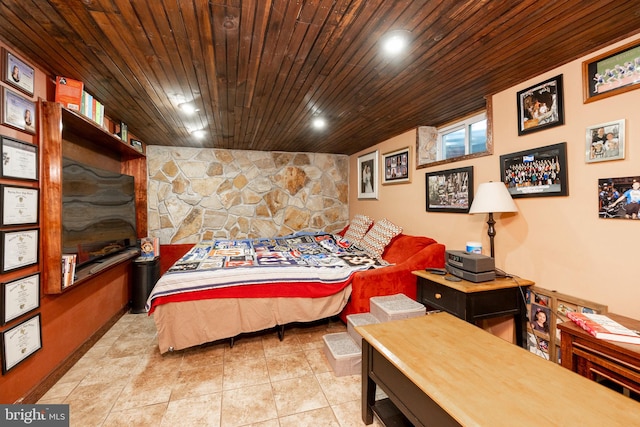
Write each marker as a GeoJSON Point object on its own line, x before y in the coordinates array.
{"type": "Point", "coordinates": [379, 237]}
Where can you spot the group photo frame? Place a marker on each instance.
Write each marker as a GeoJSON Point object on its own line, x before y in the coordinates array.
{"type": "Point", "coordinates": [541, 106]}
{"type": "Point", "coordinates": [368, 176]}
{"type": "Point", "coordinates": [17, 73]}
{"type": "Point", "coordinates": [611, 73]}
{"type": "Point", "coordinates": [605, 141]}
{"type": "Point", "coordinates": [449, 190]}
{"type": "Point", "coordinates": [396, 166]}
{"type": "Point", "coordinates": [536, 172]}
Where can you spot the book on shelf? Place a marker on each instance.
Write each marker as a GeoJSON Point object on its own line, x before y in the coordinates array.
{"type": "Point", "coordinates": [68, 269]}
{"type": "Point", "coordinates": [603, 327]}
{"type": "Point", "coordinates": [69, 93]}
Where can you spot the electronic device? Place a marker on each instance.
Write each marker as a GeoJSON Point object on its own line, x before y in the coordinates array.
{"type": "Point", "coordinates": [439, 271]}
{"type": "Point", "coordinates": [471, 277]}
{"type": "Point", "coordinates": [470, 266]}
{"type": "Point", "coordinates": [475, 263]}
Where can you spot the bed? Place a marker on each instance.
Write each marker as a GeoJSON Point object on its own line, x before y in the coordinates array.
{"type": "Point", "coordinates": [222, 288]}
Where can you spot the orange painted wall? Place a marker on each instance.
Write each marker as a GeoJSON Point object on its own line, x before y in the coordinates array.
{"type": "Point", "coordinates": [69, 319]}
{"type": "Point", "coordinates": [558, 242]}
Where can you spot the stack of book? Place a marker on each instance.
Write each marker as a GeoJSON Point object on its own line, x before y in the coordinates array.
{"type": "Point", "coordinates": [71, 94]}
{"type": "Point", "coordinates": [601, 326]}
{"type": "Point", "coordinates": [68, 269]}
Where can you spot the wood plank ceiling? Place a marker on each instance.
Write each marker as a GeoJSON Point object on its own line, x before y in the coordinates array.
{"type": "Point", "coordinates": [260, 70]}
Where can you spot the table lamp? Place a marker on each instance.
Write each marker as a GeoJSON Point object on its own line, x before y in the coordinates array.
{"type": "Point", "coordinates": [492, 197]}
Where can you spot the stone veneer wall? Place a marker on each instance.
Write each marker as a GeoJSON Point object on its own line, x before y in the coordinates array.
{"type": "Point", "coordinates": [201, 194]}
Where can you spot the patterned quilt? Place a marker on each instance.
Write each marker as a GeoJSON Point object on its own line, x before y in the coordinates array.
{"type": "Point", "coordinates": [303, 265]}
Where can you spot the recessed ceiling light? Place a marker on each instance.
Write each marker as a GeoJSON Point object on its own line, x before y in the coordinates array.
{"type": "Point", "coordinates": [198, 133]}
{"type": "Point", "coordinates": [187, 107]}
{"type": "Point", "coordinates": [319, 123]}
{"type": "Point", "coordinates": [395, 42]}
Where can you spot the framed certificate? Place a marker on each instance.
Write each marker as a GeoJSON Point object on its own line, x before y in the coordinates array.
{"type": "Point", "coordinates": [18, 73]}
{"type": "Point", "coordinates": [19, 159]}
{"type": "Point", "coordinates": [19, 249]}
{"type": "Point", "coordinates": [18, 111]}
{"type": "Point", "coordinates": [19, 297]}
{"type": "Point", "coordinates": [19, 205]}
{"type": "Point", "coordinates": [20, 342]}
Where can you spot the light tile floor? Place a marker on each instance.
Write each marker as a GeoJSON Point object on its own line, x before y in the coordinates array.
{"type": "Point", "coordinates": [123, 380]}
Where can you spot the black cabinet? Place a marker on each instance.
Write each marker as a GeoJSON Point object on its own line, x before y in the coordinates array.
{"type": "Point", "coordinates": [473, 302]}
{"type": "Point", "coordinates": [145, 275]}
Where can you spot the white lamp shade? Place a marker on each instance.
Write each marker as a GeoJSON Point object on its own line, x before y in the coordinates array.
{"type": "Point", "coordinates": [492, 197]}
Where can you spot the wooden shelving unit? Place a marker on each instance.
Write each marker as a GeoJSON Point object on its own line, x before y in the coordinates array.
{"type": "Point", "coordinates": [63, 130]}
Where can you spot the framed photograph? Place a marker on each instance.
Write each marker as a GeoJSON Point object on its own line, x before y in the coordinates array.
{"type": "Point", "coordinates": [19, 249]}
{"type": "Point", "coordinates": [611, 73]}
{"type": "Point", "coordinates": [619, 198]}
{"type": "Point", "coordinates": [605, 142]}
{"type": "Point", "coordinates": [19, 297]}
{"type": "Point", "coordinates": [19, 159]}
{"type": "Point", "coordinates": [20, 342]}
{"type": "Point", "coordinates": [450, 190]}
{"type": "Point", "coordinates": [17, 73]}
{"type": "Point", "coordinates": [396, 166]}
{"type": "Point", "coordinates": [540, 106]}
{"type": "Point", "coordinates": [536, 172]}
{"type": "Point", "coordinates": [18, 112]}
{"type": "Point", "coordinates": [546, 309]}
{"type": "Point", "coordinates": [19, 205]}
{"type": "Point", "coordinates": [368, 176]}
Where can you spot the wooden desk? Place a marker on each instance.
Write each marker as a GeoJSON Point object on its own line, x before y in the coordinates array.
{"type": "Point", "coordinates": [476, 301]}
{"type": "Point", "coordinates": [613, 363]}
{"type": "Point", "coordinates": [441, 371]}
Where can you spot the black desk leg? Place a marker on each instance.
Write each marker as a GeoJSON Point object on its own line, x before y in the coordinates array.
{"type": "Point", "coordinates": [368, 385]}
{"type": "Point", "coordinates": [521, 323]}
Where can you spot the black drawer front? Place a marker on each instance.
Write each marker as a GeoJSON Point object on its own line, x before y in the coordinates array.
{"type": "Point", "coordinates": [440, 297]}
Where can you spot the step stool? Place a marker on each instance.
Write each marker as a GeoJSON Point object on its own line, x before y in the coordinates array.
{"type": "Point", "coordinates": [359, 319]}
{"type": "Point", "coordinates": [395, 307]}
{"type": "Point", "coordinates": [344, 355]}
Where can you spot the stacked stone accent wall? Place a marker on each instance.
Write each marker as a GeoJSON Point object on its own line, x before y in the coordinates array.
{"type": "Point", "coordinates": [201, 194]}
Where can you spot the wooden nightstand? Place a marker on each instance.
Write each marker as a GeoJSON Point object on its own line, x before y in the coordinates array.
{"type": "Point", "coordinates": [612, 363]}
{"type": "Point", "coordinates": [476, 301]}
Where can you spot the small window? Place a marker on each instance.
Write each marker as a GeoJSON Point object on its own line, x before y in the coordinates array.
{"type": "Point", "coordinates": [467, 136]}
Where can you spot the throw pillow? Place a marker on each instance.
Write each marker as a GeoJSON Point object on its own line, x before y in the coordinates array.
{"type": "Point", "coordinates": [358, 228]}
{"type": "Point", "coordinates": [379, 237]}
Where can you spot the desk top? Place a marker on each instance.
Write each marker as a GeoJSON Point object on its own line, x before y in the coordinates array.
{"type": "Point", "coordinates": [469, 287]}
{"type": "Point", "coordinates": [482, 380]}
{"type": "Point", "coordinates": [632, 350]}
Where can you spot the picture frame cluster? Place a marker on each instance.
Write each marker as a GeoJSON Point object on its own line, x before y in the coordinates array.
{"type": "Point", "coordinates": [19, 212]}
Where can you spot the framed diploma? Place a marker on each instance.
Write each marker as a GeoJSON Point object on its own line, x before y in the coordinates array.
{"type": "Point", "coordinates": [19, 205]}
{"type": "Point", "coordinates": [20, 342]}
{"type": "Point", "coordinates": [19, 160]}
{"type": "Point", "coordinates": [18, 112]}
{"type": "Point", "coordinates": [19, 297]}
{"type": "Point", "coordinates": [19, 249]}
{"type": "Point", "coordinates": [18, 73]}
